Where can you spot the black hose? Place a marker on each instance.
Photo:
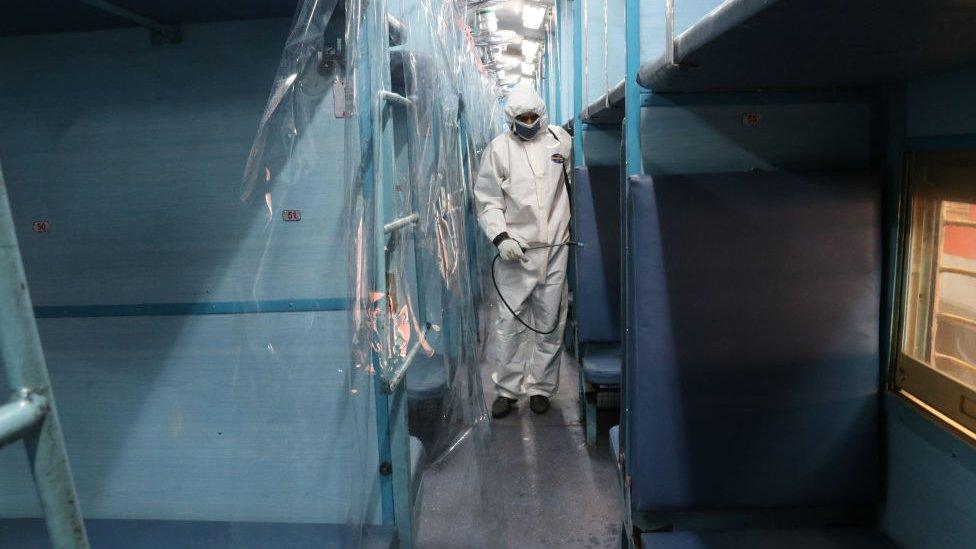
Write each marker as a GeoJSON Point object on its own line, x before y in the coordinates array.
{"type": "Point", "coordinates": [509, 307]}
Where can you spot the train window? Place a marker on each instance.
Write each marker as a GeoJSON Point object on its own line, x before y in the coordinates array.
{"type": "Point", "coordinates": [937, 362]}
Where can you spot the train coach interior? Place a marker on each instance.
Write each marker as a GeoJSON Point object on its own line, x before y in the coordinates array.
{"type": "Point", "coordinates": [246, 299]}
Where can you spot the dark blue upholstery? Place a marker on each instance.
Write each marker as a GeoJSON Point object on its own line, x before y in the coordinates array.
{"type": "Point", "coordinates": [596, 218]}
{"type": "Point", "coordinates": [596, 223]}
{"type": "Point", "coordinates": [601, 363]}
{"type": "Point", "coordinates": [803, 538]}
{"type": "Point", "coordinates": [753, 371]}
{"type": "Point", "coordinates": [842, 44]}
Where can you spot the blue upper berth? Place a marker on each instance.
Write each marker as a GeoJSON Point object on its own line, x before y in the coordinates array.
{"type": "Point", "coordinates": [769, 44]}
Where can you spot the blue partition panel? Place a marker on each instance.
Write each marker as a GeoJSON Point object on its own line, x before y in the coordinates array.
{"type": "Point", "coordinates": [194, 417]}
{"type": "Point", "coordinates": [699, 133]}
{"type": "Point", "coordinates": [940, 112]}
{"type": "Point", "coordinates": [689, 12]}
{"type": "Point", "coordinates": [930, 479]}
{"type": "Point", "coordinates": [134, 153]}
{"type": "Point", "coordinates": [601, 145]}
{"type": "Point", "coordinates": [755, 367]}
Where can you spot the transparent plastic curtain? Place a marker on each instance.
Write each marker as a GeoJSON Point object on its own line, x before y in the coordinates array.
{"type": "Point", "coordinates": [368, 148]}
{"type": "Point", "coordinates": [295, 204]}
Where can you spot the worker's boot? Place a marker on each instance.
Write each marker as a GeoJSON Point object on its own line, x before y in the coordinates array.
{"type": "Point", "coordinates": [539, 404]}
{"type": "Point", "coordinates": [502, 407]}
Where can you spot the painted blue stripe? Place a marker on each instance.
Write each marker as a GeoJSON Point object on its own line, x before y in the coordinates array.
{"type": "Point", "coordinates": [942, 142]}
{"type": "Point", "coordinates": [204, 308]}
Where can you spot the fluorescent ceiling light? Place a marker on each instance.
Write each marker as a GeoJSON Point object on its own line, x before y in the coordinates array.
{"type": "Point", "coordinates": [529, 49]}
{"type": "Point", "coordinates": [533, 15]}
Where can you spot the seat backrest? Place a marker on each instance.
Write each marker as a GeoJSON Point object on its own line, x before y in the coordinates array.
{"type": "Point", "coordinates": [596, 219]}
{"type": "Point", "coordinates": [753, 372]}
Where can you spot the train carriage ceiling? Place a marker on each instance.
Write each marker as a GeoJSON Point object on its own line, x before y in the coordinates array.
{"type": "Point", "coordinates": [511, 44]}
{"type": "Point", "coordinates": [46, 16]}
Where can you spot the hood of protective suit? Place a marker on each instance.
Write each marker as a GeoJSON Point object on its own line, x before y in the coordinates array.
{"type": "Point", "coordinates": [523, 100]}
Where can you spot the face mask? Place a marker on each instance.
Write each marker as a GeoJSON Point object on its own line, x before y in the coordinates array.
{"type": "Point", "coordinates": [527, 131]}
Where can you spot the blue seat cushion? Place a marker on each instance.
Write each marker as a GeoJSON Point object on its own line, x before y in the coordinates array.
{"type": "Point", "coordinates": [755, 373]}
{"type": "Point", "coordinates": [596, 224]}
{"type": "Point", "coordinates": [601, 363]}
{"type": "Point", "coordinates": [426, 377]}
{"type": "Point", "coordinates": [800, 538]}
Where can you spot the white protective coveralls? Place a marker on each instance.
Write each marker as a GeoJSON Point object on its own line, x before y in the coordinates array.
{"type": "Point", "coordinates": [521, 191]}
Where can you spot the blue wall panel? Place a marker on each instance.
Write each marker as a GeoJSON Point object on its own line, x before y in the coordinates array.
{"type": "Point", "coordinates": [652, 29]}
{"type": "Point", "coordinates": [604, 62]}
{"type": "Point", "coordinates": [708, 133]}
{"type": "Point", "coordinates": [214, 417]}
{"type": "Point", "coordinates": [135, 154]}
{"type": "Point", "coordinates": [942, 104]}
{"type": "Point", "coordinates": [931, 474]}
{"type": "Point", "coordinates": [931, 479]}
{"type": "Point", "coordinates": [601, 145]}
{"type": "Point", "coordinates": [689, 12]}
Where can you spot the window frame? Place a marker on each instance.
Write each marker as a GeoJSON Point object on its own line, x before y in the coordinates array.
{"type": "Point", "coordinates": [954, 401]}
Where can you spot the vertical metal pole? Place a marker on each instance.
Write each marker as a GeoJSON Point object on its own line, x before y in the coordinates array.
{"type": "Point", "coordinates": [22, 360]}
{"type": "Point", "coordinates": [632, 166]}
{"type": "Point", "coordinates": [558, 60]}
{"type": "Point", "coordinates": [632, 90]}
{"type": "Point", "coordinates": [391, 409]}
{"type": "Point", "coordinates": [578, 77]}
{"type": "Point", "coordinates": [669, 31]}
{"type": "Point", "coordinates": [606, 53]}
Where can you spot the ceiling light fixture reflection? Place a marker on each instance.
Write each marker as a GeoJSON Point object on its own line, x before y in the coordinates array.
{"type": "Point", "coordinates": [529, 49]}
{"type": "Point", "coordinates": [533, 15]}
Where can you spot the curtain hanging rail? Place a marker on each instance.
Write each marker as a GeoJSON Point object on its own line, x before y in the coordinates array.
{"type": "Point", "coordinates": [170, 32]}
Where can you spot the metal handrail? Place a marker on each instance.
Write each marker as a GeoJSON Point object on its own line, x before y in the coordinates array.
{"type": "Point", "coordinates": [400, 223]}
{"type": "Point", "coordinates": [24, 412]}
{"type": "Point", "coordinates": [22, 362]}
{"type": "Point", "coordinates": [391, 383]}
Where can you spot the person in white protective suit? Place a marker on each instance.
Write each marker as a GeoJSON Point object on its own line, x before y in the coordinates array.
{"type": "Point", "coordinates": [522, 200]}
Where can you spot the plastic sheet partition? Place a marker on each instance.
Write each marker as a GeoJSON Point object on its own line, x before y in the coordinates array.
{"type": "Point", "coordinates": [373, 131]}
